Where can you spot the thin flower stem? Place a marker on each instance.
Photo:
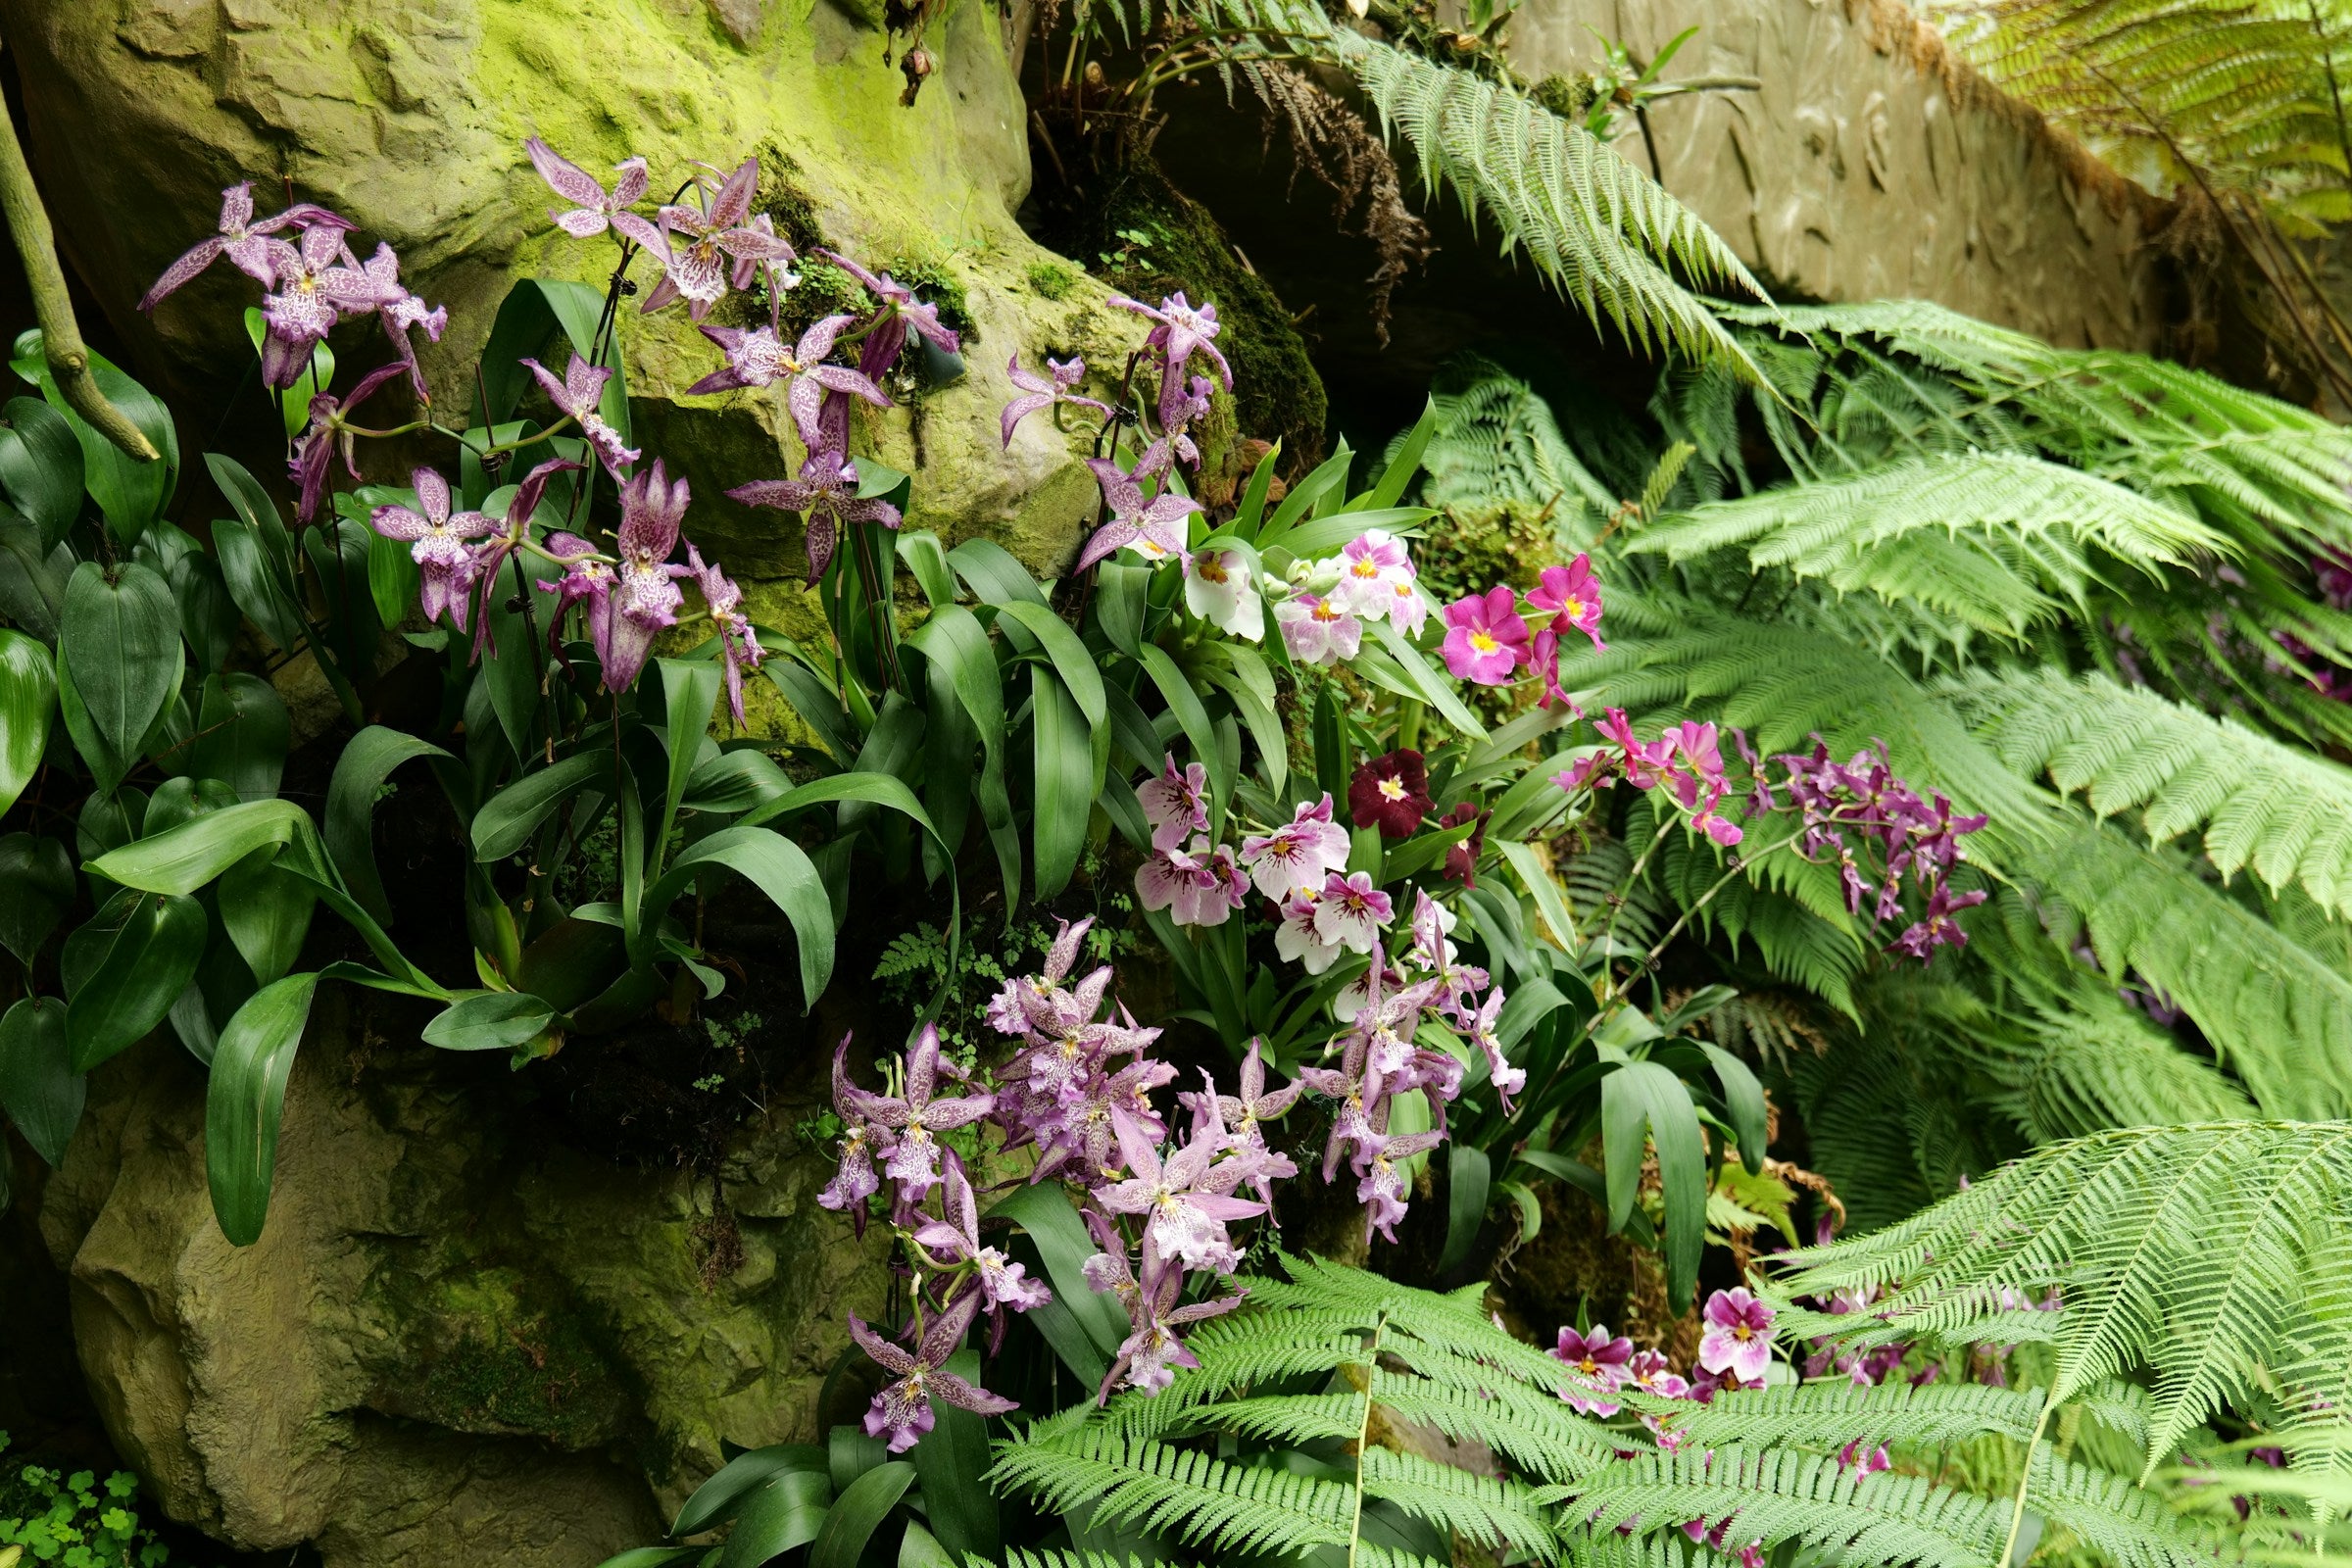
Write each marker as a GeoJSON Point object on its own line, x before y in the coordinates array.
{"type": "Point", "coordinates": [1708, 897]}
{"type": "Point", "coordinates": [386, 436]}
{"type": "Point", "coordinates": [1632, 876]}
{"type": "Point", "coordinates": [1364, 1437]}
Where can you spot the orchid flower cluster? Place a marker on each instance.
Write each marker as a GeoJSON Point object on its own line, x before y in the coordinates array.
{"type": "Point", "coordinates": [1329, 602]}
{"type": "Point", "coordinates": [1078, 1091]}
{"type": "Point", "coordinates": [1687, 759]}
{"type": "Point", "coordinates": [1918, 839]}
{"type": "Point", "coordinates": [1489, 638]}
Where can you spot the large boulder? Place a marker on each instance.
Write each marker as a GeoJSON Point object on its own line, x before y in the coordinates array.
{"type": "Point", "coordinates": [410, 118]}
{"type": "Point", "coordinates": [463, 1338]}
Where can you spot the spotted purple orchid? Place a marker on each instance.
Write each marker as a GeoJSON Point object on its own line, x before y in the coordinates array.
{"type": "Point", "coordinates": [645, 593]}
{"type": "Point", "coordinates": [588, 579]}
{"type": "Point", "coordinates": [902, 313]}
{"type": "Point", "coordinates": [593, 208]}
{"type": "Point", "coordinates": [1003, 1283]}
{"type": "Point", "coordinates": [1153, 529]}
{"type": "Point", "coordinates": [1042, 1005]}
{"type": "Point", "coordinates": [1242, 1116]}
{"type": "Point", "coordinates": [242, 240]}
{"type": "Point", "coordinates": [1186, 1201]}
{"type": "Point", "coordinates": [491, 554]}
{"type": "Point", "coordinates": [1737, 1339]}
{"type": "Point", "coordinates": [581, 395]}
{"type": "Point", "coordinates": [1381, 1185]}
{"type": "Point", "coordinates": [1148, 1357]}
{"type": "Point", "coordinates": [328, 437]}
{"type": "Point", "coordinates": [902, 1412]}
{"type": "Point", "coordinates": [1059, 385]}
{"type": "Point", "coordinates": [757, 357]}
{"type": "Point", "coordinates": [826, 495]}
{"type": "Point", "coordinates": [739, 647]}
{"type": "Point", "coordinates": [854, 1178]}
{"type": "Point", "coordinates": [1179, 330]}
{"type": "Point", "coordinates": [918, 1116]}
{"type": "Point", "coordinates": [698, 245]}
{"type": "Point", "coordinates": [399, 312]}
{"type": "Point", "coordinates": [315, 286]}
{"type": "Point", "coordinates": [1199, 884]}
{"type": "Point", "coordinates": [438, 542]}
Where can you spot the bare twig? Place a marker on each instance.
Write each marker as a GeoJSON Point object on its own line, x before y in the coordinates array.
{"type": "Point", "coordinates": [61, 336]}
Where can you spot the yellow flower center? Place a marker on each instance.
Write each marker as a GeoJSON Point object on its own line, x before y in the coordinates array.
{"type": "Point", "coordinates": [1484, 642]}
{"type": "Point", "coordinates": [1391, 789]}
{"type": "Point", "coordinates": [1366, 569]}
{"type": "Point", "coordinates": [1743, 1332]}
{"type": "Point", "coordinates": [1572, 610]}
{"type": "Point", "coordinates": [1326, 611]}
{"type": "Point", "coordinates": [1212, 568]}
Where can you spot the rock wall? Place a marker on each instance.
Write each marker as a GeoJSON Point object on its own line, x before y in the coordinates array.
{"type": "Point", "coordinates": [409, 115]}
{"type": "Point", "coordinates": [1870, 164]}
{"type": "Point", "coordinates": [460, 1341]}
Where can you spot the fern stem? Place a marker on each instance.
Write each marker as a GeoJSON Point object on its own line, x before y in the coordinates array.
{"type": "Point", "coordinates": [2017, 1512]}
{"type": "Point", "coordinates": [1633, 875]}
{"type": "Point", "coordinates": [1708, 897]}
{"type": "Point", "coordinates": [1363, 1434]}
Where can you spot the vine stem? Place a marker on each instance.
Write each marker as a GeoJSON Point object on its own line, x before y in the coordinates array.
{"type": "Point", "coordinates": [1708, 897]}
{"type": "Point", "coordinates": [1632, 876]}
{"type": "Point", "coordinates": [2017, 1512]}
{"type": "Point", "coordinates": [1363, 1432]}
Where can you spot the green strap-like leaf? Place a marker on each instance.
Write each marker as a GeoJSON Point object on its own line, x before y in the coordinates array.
{"type": "Point", "coordinates": [141, 971]}
{"type": "Point", "coordinates": [950, 1459]}
{"type": "Point", "coordinates": [1644, 1093]}
{"type": "Point", "coordinates": [1064, 780]}
{"type": "Point", "coordinates": [489, 1020]}
{"type": "Point", "coordinates": [198, 851]}
{"type": "Point", "coordinates": [369, 760]}
{"type": "Point", "coordinates": [690, 693]}
{"type": "Point", "coordinates": [244, 1100]}
{"type": "Point", "coordinates": [857, 1514]}
{"type": "Point", "coordinates": [777, 868]}
{"type": "Point", "coordinates": [509, 818]}
{"type": "Point", "coordinates": [27, 698]}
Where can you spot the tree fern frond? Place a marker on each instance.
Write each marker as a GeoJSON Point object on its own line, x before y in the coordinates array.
{"type": "Point", "coordinates": [2093, 1062]}
{"type": "Point", "coordinates": [1496, 440]}
{"type": "Point", "coordinates": [1535, 1431]}
{"type": "Point", "coordinates": [1176, 1491]}
{"type": "Point", "coordinates": [2211, 1254]}
{"type": "Point", "coordinates": [2275, 809]}
{"type": "Point", "coordinates": [1482, 1508]}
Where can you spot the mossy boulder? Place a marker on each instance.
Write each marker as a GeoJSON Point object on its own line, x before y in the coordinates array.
{"type": "Point", "coordinates": [467, 1336]}
{"type": "Point", "coordinates": [410, 121]}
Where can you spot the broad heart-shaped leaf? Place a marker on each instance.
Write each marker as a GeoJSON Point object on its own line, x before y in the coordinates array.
{"type": "Point", "coordinates": [777, 868]}
{"type": "Point", "coordinates": [105, 764]}
{"type": "Point", "coordinates": [132, 493]}
{"type": "Point", "coordinates": [489, 1020]}
{"type": "Point", "coordinates": [33, 578]}
{"type": "Point", "coordinates": [244, 1100]}
{"type": "Point", "coordinates": [367, 760]}
{"type": "Point", "coordinates": [857, 1514]}
{"type": "Point", "coordinates": [242, 735]}
{"type": "Point", "coordinates": [36, 887]}
{"type": "Point", "coordinates": [949, 1460]}
{"type": "Point", "coordinates": [39, 1089]}
{"type": "Point", "coordinates": [267, 912]}
{"type": "Point", "coordinates": [27, 695]}
{"type": "Point", "coordinates": [138, 975]}
{"type": "Point", "coordinates": [121, 633]}
{"type": "Point", "coordinates": [41, 465]}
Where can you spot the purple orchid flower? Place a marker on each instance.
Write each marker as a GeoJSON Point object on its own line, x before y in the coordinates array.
{"type": "Point", "coordinates": [1179, 331]}
{"type": "Point", "coordinates": [1059, 385]}
{"type": "Point", "coordinates": [1302, 853]}
{"type": "Point", "coordinates": [492, 553]}
{"type": "Point", "coordinates": [587, 578]}
{"type": "Point", "coordinates": [1040, 1004]}
{"type": "Point", "coordinates": [902, 1411]}
{"type": "Point", "coordinates": [592, 207]}
{"type": "Point", "coordinates": [581, 394]}
{"type": "Point", "coordinates": [241, 240]}
{"type": "Point", "coordinates": [398, 310]}
{"type": "Point", "coordinates": [1175, 802]}
{"type": "Point", "coordinates": [1598, 1366]}
{"type": "Point", "coordinates": [738, 640]}
{"type": "Point", "coordinates": [1241, 1117]}
{"type": "Point", "coordinates": [854, 1180]}
{"type": "Point", "coordinates": [1739, 1335]}
{"type": "Point", "coordinates": [1079, 1142]}
{"type": "Point", "coordinates": [1381, 1185]}
{"type": "Point", "coordinates": [1154, 532]}
{"type": "Point", "coordinates": [1188, 1200]}
{"type": "Point", "coordinates": [1002, 1283]}
{"type": "Point", "coordinates": [826, 495]}
{"type": "Point", "coordinates": [328, 437]}
{"type": "Point", "coordinates": [694, 271]}
{"type": "Point", "coordinates": [757, 357]}
{"type": "Point", "coordinates": [1149, 1355]}
{"type": "Point", "coordinates": [917, 1118]}
{"type": "Point", "coordinates": [645, 593]}
{"type": "Point", "coordinates": [437, 542]}
{"type": "Point", "coordinates": [901, 312]}
{"type": "Point", "coordinates": [316, 287]}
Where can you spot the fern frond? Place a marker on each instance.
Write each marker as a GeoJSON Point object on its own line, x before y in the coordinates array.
{"type": "Point", "coordinates": [2092, 1062]}
{"type": "Point", "coordinates": [1491, 1512]}
{"type": "Point", "coordinates": [2211, 1254]}
{"type": "Point", "coordinates": [2275, 809]}
{"type": "Point", "coordinates": [1831, 1412]}
{"type": "Point", "coordinates": [1176, 1491]}
{"type": "Point", "coordinates": [1995, 539]}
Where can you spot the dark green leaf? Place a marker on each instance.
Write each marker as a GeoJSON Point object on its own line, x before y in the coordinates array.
{"type": "Point", "coordinates": [850, 1453]}
{"type": "Point", "coordinates": [1063, 778]}
{"type": "Point", "coordinates": [189, 855]}
{"type": "Point", "coordinates": [509, 818]}
{"type": "Point", "coordinates": [993, 574]}
{"type": "Point", "coordinates": [950, 1459]}
{"type": "Point", "coordinates": [122, 636]}
{"type": "Point", "coordinates": [1644, 1093]}
{"type": "Point", "coordinates": [39, 1089]}
{"type": "Point", "coordinates": [207, 615]}
{"type": "Point", "coordinates": [367, 760]}
{"type": "Point", "coordinates": [27, 695]}
{"type": "Point", "coordinates": [244, 1100]}
{"type": "Point", "coordinates": [857, 1514]}
{"type": "Point", "coordinates": [489, 1020]}
{"type": "Point", "coordinates": [257, 513]}
{"type": "Point", "coordinates": [182, 800]}
{"type": "Point", "coordinates": [1468, 1177]}
{"type": "Point", "coordinates": [722, 1496]}
{"type": "Point", "coordinates": [734, 782]}
{"type": "Point", "coordinates": [1063, 1245]}
{"type": "Point", "coordinates": [526, 326]}
{"type": "Point", "coordinates": [138, 976]}
{"type": "Point", "coordinates": [36, 887]}
{"type": "Point", "coordinates": [920, 550]}
{"type": "Point", "coordinates": [689, 694]}
{"type": "Point", "coordinates": [921, 1549]}
{"type": "Point", "coordinates": [256, 584]}
{"type": "Point", "coordinates": [40, 466]}
{"type": "Point", "coordinates": [777, 868]}
{"type": "Point", "coordinates": [1744, 1098]}
{"type": "Point", "coordinates": [242, 734]}
{"type": "Point", "coordinates": [266, 912]}
{"type": "Point", "coordinates": [132, 493]}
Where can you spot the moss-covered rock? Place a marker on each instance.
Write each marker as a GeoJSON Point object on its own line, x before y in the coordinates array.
{"type": "Point", "coordinates": [463, 1338]}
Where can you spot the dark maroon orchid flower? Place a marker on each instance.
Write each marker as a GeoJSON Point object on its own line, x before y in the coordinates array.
{"type": "Point", "coordinates": [1390, 793]}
